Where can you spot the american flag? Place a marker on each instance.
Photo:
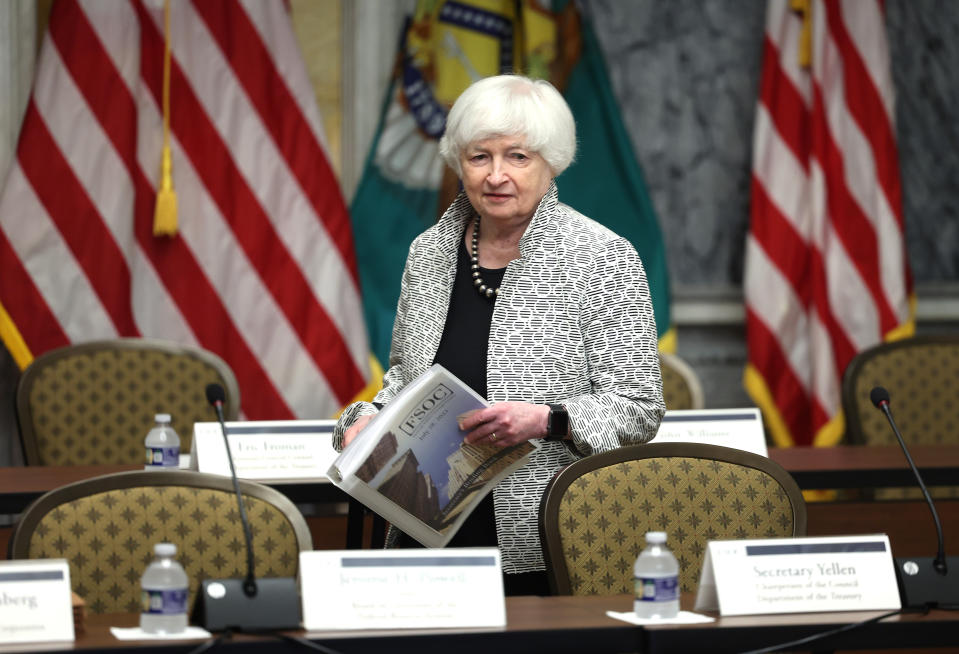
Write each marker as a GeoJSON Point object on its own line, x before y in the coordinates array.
{"type": "Point", "coordinates": [826, 270]}
{"type": "Point", "coordinates": [262, 270]}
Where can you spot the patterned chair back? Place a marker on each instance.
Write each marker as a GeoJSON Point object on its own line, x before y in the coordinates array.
{"type": "Point", "coordinates": [681, 386]}
{"type": "Point", "coordinates": [106, 528]}
{"type": "Point", "coordinates": [93, 403]}
{"type": "Point", "coordinates": [922, 377]}
{"type": "Point", "coordinates": [595, 512]}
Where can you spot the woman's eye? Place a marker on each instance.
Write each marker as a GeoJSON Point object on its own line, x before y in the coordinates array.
{"type": "Point", "coordinates": [519, 156]}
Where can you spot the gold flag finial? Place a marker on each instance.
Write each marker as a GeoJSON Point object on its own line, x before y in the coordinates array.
{"type": "Point", "coordinates": [164, 216]}
{"type": "Point", "coordinates": [804, 9]}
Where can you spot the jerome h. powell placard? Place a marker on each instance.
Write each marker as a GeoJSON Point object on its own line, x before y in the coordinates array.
{"type": "Point", "coordinates": [798, 575]}
{"type": "Point", "coordinates": [402, 589]}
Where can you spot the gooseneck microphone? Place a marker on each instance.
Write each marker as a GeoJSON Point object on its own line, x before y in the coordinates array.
{"type": "Point", "coordinates": [253, 605]}
{"type": "Point", "coordinates": [880, 398]}
{"type": "Point", "coordinates": [216, 396]}
{"type": "Point", "coordinates": [922, 582]}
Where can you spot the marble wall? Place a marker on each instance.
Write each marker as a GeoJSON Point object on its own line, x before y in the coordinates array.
{"type": "Point", "coordinates": [686, 75]}
{"type": "Point", "coordinates": [924, 45]}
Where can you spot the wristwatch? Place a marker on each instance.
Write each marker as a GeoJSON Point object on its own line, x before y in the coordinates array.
{"type": "Point", "coordinates": [557, 425]}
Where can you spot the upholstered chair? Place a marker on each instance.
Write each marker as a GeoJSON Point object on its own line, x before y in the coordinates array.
{"type": "Point", "coordinates": [922, 377]}
{"type": "Point", "coordinates": [93, 403]}
{"type": "Point", "coordinates": [595, 512]}
{"type": "Point", "coordinates": [106, 528]}
{"type": "Point", "coordinates": [681, 386]}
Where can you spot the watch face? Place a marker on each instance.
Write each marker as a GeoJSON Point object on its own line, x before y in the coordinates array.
{"type": "Point", "coordinates": [558, 421]}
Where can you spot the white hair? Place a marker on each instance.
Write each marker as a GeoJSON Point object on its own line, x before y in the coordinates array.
{"type": "Point", "coordinates": [511, 105]}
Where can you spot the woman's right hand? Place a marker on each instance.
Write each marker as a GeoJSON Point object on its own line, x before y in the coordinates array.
{"type": "Point", "coordinates": [353, 430]}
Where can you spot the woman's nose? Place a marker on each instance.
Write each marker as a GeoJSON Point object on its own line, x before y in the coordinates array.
{"type": "Point", "coordinates": [496, 173]}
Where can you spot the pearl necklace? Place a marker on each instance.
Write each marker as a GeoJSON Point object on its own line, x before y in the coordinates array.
{"type": "Point", "coordinates": [484, 290]}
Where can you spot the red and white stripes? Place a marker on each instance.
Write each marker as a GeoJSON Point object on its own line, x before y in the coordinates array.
{"type": "Point", "coordinates": [826, 270]}
{"type": "Point", "coordinates": [262, 270]}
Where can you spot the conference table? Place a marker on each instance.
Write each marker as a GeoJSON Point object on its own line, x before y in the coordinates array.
{"type": "Point", "coordinates": [813, 468]}
{"type": "Point", "coordinates": [842, 467]}
{"type": "Point", "coordinates": [565, 624]}
{"type": "Point", "coordinates": [868, 466]}
{"type": "Point", "coordinates": [579, 624]}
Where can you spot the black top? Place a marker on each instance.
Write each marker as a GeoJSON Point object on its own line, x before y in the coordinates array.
{"type": "Point", "coordinates": [465, 339]}
{"type": "Point", "coordinates": [462, 351]}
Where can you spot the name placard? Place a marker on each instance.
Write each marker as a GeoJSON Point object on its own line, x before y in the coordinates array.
{"type": "Point", "coordinates": [35, 601]}
{"type": "Point", "coordinates": [739, 428]}
{"type": "Point", "coordinates": [798, 575]}
{"type": "Point", "coordinates": [265, 450]}
{"type": "Point", "coordinates": [402, 589]}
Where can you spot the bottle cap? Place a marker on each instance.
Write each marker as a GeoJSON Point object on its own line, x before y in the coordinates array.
{"type": "Point", "coordinates": [656, 537]}
{"type": "Point", "coordinates": [162, 418]}
{"type": "Point", "coordinates": [164, 549]}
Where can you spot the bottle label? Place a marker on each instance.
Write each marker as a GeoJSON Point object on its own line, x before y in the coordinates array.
{"type": "Point", "coordinates": [163, 602]}
{"type": "Point", "coordinates": [163, 457]}
{"type": "Point", "coordinates": [656, 589]}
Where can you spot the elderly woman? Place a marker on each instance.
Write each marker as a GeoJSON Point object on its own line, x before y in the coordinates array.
{"type": "Point", "coordinates": [539, 309]}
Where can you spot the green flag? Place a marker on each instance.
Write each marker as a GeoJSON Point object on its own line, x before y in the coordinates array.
{"type": "Point", "coordinates": [446, 46]}
{"type": "Point", "coordinates": [387, 215]}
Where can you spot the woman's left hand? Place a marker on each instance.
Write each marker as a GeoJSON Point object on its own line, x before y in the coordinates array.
{"type": "Point", "coordinates": [505, 423]}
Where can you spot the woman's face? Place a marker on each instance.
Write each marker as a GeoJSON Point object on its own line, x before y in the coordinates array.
{"type": "Point", "coordinates": [503, 180]}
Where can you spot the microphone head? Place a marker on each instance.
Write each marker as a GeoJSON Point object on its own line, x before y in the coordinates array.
{"type": "Point", "coordinates": [879, 396]}
{"type": "Point", "coordinates": [215, 394]}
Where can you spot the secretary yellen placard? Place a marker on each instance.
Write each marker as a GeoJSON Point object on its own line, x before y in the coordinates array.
{"type": "Point", "coordinates": [798, 575]}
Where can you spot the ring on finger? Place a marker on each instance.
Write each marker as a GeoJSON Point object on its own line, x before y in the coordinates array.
{"type": "Point", "coordinates": [492, 436]}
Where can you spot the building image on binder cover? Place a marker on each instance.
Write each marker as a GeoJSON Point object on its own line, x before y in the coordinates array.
{"type": "Point", "coordinates": [437, 489]}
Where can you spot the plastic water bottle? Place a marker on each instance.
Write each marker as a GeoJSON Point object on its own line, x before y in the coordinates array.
{"type": "Point", "coordinates": [656, 579]}
{"type": "Point", "coordinates": [163, 595]}
{"type": "Point", "coordinates": [162, 445]}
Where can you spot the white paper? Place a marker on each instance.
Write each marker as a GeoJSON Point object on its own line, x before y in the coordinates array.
{"type": "Point", "coordinates": [738, 428]}
{"type": "Point", "coordinates": [35, 601]}
{"type": "Point", "coordinates": [706, 597]}
{"type": "Point", "coordinates": [266, 450]}
{"type": "Point", "coordinates": [135, 633]}
{"type": "Point", "coordinates": [684, 617]}
{"type": "Point", "coordinates": [402, 589]}
{"type": "Point", "coordinates": [798, 575]}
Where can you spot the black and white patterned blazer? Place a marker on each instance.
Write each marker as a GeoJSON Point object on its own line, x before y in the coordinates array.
{"type": "Point", "coordinates": [573, 325]}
